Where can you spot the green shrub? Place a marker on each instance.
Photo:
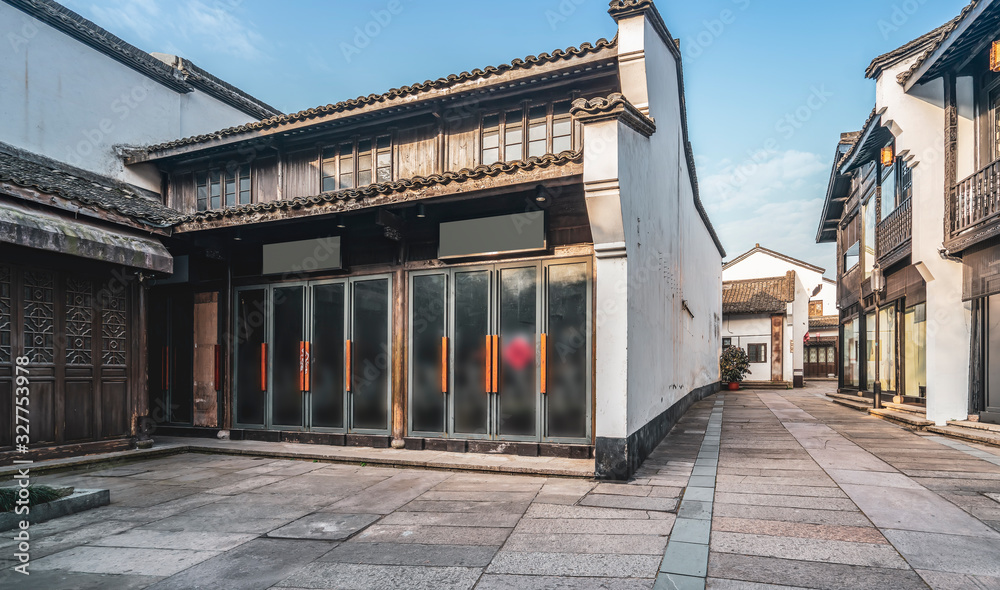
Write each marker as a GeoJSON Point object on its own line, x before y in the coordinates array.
{"type": "Point", "coordinates": [734, 364]}
{"type": "Point", "coordinates": [37, 494]}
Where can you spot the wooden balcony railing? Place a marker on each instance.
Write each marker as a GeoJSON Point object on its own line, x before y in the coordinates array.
{"type": "Point", "coordinates": [895, 230]}
{"type": "Point", "coordinates": [975, 201]}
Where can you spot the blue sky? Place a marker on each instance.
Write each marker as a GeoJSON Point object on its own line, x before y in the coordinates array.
{"type": "Point", "coordinates": [781, 74]}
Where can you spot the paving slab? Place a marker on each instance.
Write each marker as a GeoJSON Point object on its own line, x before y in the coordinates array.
{"type": "Point", "coordinates": [325, 574]}
{"type": "Point", "coordinates": [596, 526]}
{"type": "Point", "coordinates": [123, 560]}
{"type": "Point", "coordinates": [573, 564]}
{"type": "Point", "coordinates": [508, 581]}
{"type": "Point", "coordinates": [157, 539]}
{"type": "Point", "coordinates": [810, 574]}
{"type": "Point", "coordinates": [61, 579]}
{"type": "Point", "coordinates": [324, 526]}
{"type": "Point", "coordinates": [954, 553]}
{"type": "Point", "coordinates": [412, 554]}
{"type": "Point", "coordinates": [630, 502]}
{"type": "Point", "coordinates": [802, 549]}
{"type": "Point", "coordinates": [633, 544]}
{"type": "Point", "coordinates": [433, 535]}
{"type": "Point", "coordinates": [256, 565]}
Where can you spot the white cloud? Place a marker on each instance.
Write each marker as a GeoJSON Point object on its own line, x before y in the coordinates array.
{"type": "Point", "coordinates": [774, 199]}
{"type": "Point", "coordinates": [139, 16]}
{"type": "Point", "coordinates": [216, 26]}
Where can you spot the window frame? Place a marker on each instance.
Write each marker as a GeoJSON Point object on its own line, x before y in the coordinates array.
{"type": "Point", "coordinates": [218, 177]}
{"type": "Point", "coordinates": [334, 155]}
{"type": "Point", "coordinates": [524, 123]}
{"type": "Point", "coordinates": [757, 359]}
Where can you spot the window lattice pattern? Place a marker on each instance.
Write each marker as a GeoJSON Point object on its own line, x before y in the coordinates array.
{"type": "Point", "coordinates": [79, 321]}
{"type": "Point", "coordinates": [113, 329]}
{"type": "Point", "coordinates": [39, 322]}
{"type": "Point", "coordinates": [5, 329]}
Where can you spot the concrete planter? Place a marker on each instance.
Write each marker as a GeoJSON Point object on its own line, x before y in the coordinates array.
{"type": "Point", "coordinates": [78, 501]}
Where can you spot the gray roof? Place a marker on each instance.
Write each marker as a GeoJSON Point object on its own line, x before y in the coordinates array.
{"type": "Point", "coordinates": [182, 76]}
{"type": "Point", "coordinates": [32, 171]}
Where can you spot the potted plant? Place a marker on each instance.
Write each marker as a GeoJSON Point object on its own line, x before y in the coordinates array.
{"type": "Point", "coordinates": [734, 365]}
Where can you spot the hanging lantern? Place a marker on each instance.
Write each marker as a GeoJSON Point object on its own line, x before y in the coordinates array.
{"type": "Point", "coordinates": [995, 57]}
{"type": "Point", "coordinates": [887, 156]}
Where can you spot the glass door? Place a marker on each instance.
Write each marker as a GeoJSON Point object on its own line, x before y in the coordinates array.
{"type": "Point", "coordinates": [314, 356]}
{"type": "Point", "coordinates": [480, 364]}
{"type": "Point", "coordinates": [471, 352]}
{"type": "Point", "coordinates": [288, 304]}
{"type": "Point", "coordinates": [326, 355]}
{"type": "Point", "coordinates": [369, 356]}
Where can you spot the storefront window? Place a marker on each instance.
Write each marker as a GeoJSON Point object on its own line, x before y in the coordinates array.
{"type": "Point", "coordinates": [868, 256]}
{"type": "Point", "coordinates": [870, 351]}
{"type": "Point", "coordinates": [915, 332]}
{"type": "Point", "coordinates": [850, 353]}
{"type": "Point", "coordinates": [887, 348]}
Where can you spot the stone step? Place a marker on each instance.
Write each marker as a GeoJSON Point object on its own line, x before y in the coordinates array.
{"type": "Point", "coordinates": [851, 401]}
{"type": "Point", "coordinates": [907, 419]}
{"type": "Point", "coordinates": [978, 435]}
{"type": "Point", "coordinates": [765, 385]}
{"type": "Point", "coordinates": [976, 425]}
{"type": "Point", "coordinates": [911, 408]}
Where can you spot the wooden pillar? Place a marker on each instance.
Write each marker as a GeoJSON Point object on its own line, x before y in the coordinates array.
{"type": "Point", "coordinates": [139, 376]}
{"type": "Point", "coordinates": [950, 149]}
{"type": "Point", "coordinates": [399, 341]}
{"type": "Point", "coordinates": [777, 347]}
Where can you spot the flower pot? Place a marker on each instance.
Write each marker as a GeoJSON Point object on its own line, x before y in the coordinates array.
{"type": "Point", "coordinates": [734, 386]}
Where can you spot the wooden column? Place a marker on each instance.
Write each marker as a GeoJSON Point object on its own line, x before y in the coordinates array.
{"type": "Point", "coordinates": [950, 148]}
{"type": "Point", "coordinates": [399, 340]}
{"type": "Point", "coordinates": [777, 347]}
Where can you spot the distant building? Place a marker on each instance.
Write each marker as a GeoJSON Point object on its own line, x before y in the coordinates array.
{"type": "Point", "coordinates": [773, 307]}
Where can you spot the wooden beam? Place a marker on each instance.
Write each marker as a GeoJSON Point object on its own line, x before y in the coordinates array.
{"type": "Point", "coordinates": [950, 148]}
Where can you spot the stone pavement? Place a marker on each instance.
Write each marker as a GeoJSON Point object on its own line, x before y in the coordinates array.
{"type": "Point", "coordinates": [788, 489]}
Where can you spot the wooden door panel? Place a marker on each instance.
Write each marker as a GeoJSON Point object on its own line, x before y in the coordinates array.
{"type": "Point", "coordinates": [79, 404]}
{"type": "Point", "coordinates": [206, 338]}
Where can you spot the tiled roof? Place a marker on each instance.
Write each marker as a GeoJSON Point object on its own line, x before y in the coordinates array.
{"type": "Point", "coordinates": [857, 139]}
{"type": "Point", "coordinates": [385, 188]}
{"type": "Point", "coordinates": [182, 77]}
{"type": "Point", "coordinates": [768, 295]}
{"type": "Point", "coordinates": [941, 34]}
{"type": "Point", "coordinates": [920, 43]}
{"type": "Point", "coordinates": [824, 322]}
{"type": "Point", "coordinates": [362, 101]}
{"type": "Point", "coordinates": [31, 171]}
{"type": "Point", "coordinates": [758, 248]}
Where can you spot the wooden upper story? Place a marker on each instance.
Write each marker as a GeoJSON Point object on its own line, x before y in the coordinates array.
{"type": "Point", "coordinates": [515, 118]}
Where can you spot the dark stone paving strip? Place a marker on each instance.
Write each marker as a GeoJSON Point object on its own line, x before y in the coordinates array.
{"type": "Point", "coordinates": [685, 561]}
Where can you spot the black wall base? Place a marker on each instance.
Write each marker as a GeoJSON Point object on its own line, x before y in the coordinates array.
{"type": "Point", "coordinates": [618, 458]}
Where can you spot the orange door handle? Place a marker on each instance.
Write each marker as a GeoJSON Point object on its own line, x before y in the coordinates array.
{"type": "Point", "coordinates": [496, 363]}
{"type": "Point", "coordinates": [444, 364]}
{"type": "Point", "coordinates": [263, 366]}
{"type": "Point", "coordinates": [544, 360]}
{"type": "Point", "coordinates": [304, 363]}
{"type": "Point", "coordinates": [488, 360]}
{"type": "Point", "coordinates": [347, 365]}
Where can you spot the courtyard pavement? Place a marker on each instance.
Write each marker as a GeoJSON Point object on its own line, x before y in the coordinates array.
{"type": "Point", "coordinates": [750, 490]}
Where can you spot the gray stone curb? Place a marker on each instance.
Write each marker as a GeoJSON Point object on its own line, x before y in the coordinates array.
{"type": "Point", "coordinates": [78, 501]}
{"type": "Point", "coordinates": [685, 561]}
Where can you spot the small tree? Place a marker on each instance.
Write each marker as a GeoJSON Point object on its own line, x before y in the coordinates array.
{"type": "Point", "coordinates": [734, 364]}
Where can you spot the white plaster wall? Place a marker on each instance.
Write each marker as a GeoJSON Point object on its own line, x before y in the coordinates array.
{"type": "Point", "coordinates": [751, 329]}
{"type": "Point", "coordinates": [672, 261]}
{"type": "Point", "coordinates": [919, 116]}
{"type": "Point", "coordinates": [65, 100]}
